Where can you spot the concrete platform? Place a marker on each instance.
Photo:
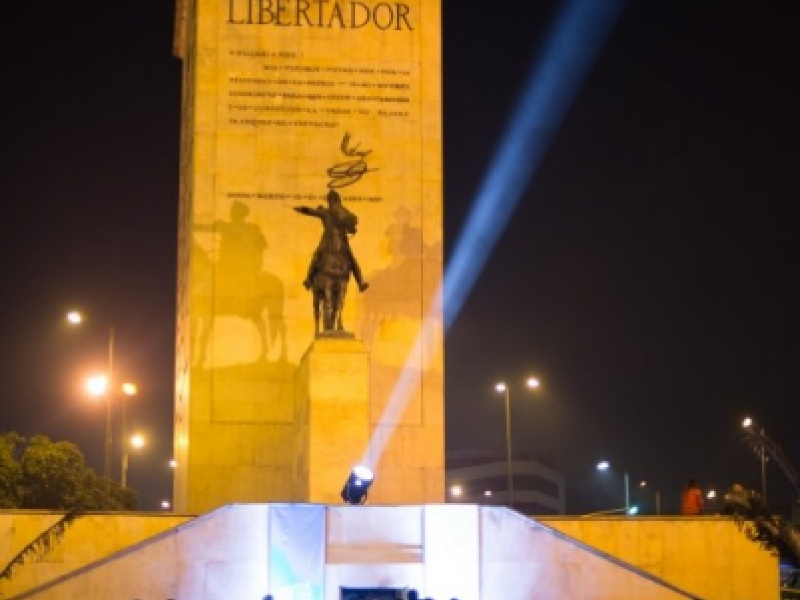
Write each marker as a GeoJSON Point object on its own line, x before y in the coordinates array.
{"type": "Point", "coordinates": [312, 551]}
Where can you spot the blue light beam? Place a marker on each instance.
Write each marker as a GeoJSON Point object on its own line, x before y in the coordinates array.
{"type": "Point", "coordinates": [569, 52]}
{"type": "Point", "coordinates": [574, 43]}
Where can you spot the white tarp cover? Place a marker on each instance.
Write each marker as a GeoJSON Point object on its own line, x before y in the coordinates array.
{"type": "Point", "coordinates": [297, 551]}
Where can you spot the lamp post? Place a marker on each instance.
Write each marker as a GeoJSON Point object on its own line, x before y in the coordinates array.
{"type": "Point", "coordinates": [137, 442]}
{"type": "Point", "coordinates": [128, 389]}
{"type": "Point", "coordinates": [657, 496]}
{"type": "Point", "coordinates": [105, 386]}
{"type": "Point", "coordinates": [604, 465]}
{"type": "Point", "coordinates": [761, 452]}
{"type": "Point", "coordinates": [503, 388]}
{"type": "Point", "coordinates": [76, 318]}
{"type": "Point", "coordinates": [98, 385]}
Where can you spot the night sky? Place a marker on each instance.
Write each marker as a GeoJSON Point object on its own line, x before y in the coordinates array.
{"type": "Point", "coordinates": [648, 276]}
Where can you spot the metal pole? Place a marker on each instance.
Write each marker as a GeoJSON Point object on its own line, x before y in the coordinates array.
{"type": "Point", "coordinates": [125, 464]}
{"type": "Point", "coordinates": [124, 440]}
{"type": "Point", "coordinates": [627, 493]}
{"type": "Point", "coordinates": [658, 502]}
{"type": "Point", "coordinates": [508, 450]}
{"type": "Point", "coordinates": [109, 396]}
{"type": "Point", "coordinates": [763, 471]}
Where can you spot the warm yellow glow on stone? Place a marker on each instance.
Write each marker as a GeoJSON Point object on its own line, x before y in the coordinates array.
{"type": "Point", "coordinates": [274, 118]}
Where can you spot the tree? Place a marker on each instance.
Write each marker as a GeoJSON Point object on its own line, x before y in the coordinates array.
{"type": "Point", "coordinates": [40, 473]}
{"type": "Point", "coordinates": [53, 474]}
{"type": "Point", "coordinates": [10, 471]}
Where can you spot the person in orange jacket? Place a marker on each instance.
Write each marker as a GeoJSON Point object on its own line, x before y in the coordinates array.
{"type": "Point", "coordinates": [691, 499]}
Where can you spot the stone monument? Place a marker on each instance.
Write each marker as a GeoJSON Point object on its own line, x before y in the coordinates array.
{"type": "Point", "coordinates": [287, 103]}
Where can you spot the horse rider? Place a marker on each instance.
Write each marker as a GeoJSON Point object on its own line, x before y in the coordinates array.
{"type": "Point", "coordinates": [332, 218]}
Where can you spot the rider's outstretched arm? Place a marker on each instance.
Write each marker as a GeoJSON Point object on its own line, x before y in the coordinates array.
{"type": "Point", "coordinates": [311, 212]}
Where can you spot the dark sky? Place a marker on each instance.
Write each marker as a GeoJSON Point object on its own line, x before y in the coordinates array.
{"type": "Point", "coordinates": [648, 276]}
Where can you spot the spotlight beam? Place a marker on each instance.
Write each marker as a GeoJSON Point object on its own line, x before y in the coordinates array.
{"type": "Point", "coordinates": [573, 44]}
{"type": "Point", "coordinates": [575, 41]}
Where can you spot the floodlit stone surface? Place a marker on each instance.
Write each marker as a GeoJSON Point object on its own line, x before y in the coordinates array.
{"type": "Point", "coordinates": [708, 556]}
{"type": "Point", "coordinates": [85, 540]}
{"type": "Point", "coordinates": [332, 400]}
{"type": "Point", "coordinates": [282, 102]}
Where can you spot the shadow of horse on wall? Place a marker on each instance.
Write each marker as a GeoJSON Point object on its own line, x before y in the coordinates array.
{"type": "Point", "coordinates": [218, 291]}
{"type": "Point", "coordinates": [405, 288]}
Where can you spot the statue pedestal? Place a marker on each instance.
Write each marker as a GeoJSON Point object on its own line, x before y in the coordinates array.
{"type": "Point", "coordinates": [331, 416]}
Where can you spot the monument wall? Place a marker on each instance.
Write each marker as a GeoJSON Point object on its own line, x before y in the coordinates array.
{"type": "Point", "coordinates": [85, 539]}
{"type": "Point", "coordinates": [711, 557]}
{"type": "Point", "coordinates": [283, 101]}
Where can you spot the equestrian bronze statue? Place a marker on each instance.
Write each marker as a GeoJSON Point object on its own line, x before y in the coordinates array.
{"type": "Point", "coordinates": [332, 264]}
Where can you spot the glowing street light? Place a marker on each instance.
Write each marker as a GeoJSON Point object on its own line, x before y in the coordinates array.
{"type": "Point", "coordinates": [643, 484]}
{"type": "Point", "coordinates": [105, 385]}
{"type": "Point", "coordinates": [97, 385]}
{"type": "Point", "coordinates": [166, 505]}
{"type": "Point", "coordinates": [758, 445]}
{"type": "Point", "coordinates": [502, 388]}
{"type": "Point", "coordinates": [75, 317]}
{"type": "Point", "coordinates": [604, 465]}
{"type": "Point", "coordinates": [137, 442]}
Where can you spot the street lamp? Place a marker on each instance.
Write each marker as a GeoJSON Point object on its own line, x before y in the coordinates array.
{"type": "Point", "coordinates": [105, 386]}
{"type": "Point", "coordinates": [657, 493]}
{"type": "Point", "coordinates": [128, 389]}
{"type": "Point", "coordinates": [98, 385]}
{"type": "Point", "coordinates": [75, 317]}
{"type": "Point", "coordinates": [761, 452]}
{"type": "Point", "coordinates": [604, 465]}
{"type": "Point", "coordinates": [137, 442]}
{"type": "Point", "coordinates": [503, 388]}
